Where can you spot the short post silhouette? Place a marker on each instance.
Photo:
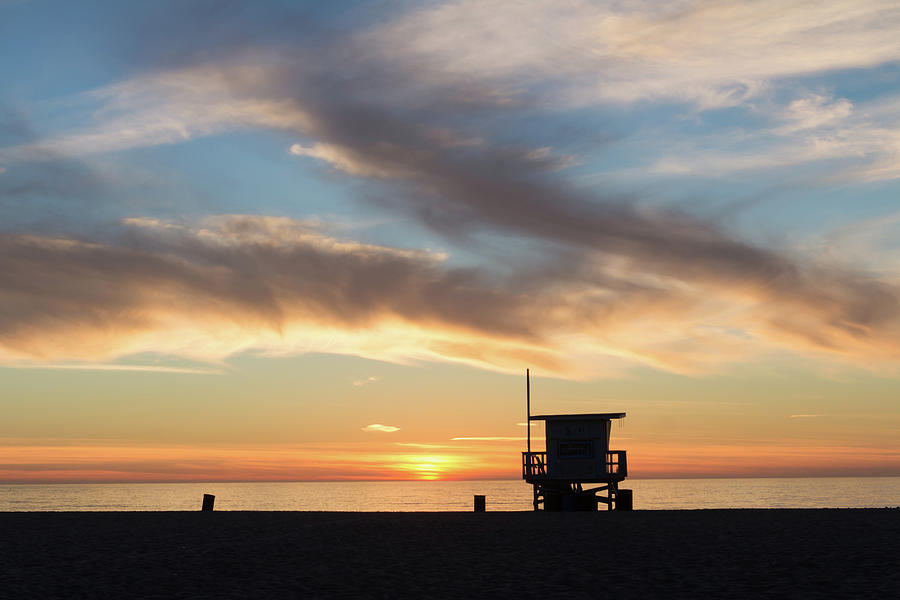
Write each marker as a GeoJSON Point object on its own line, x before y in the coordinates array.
{"type": "Point", "coordinates": [208, 501]}
{"type": "Point", "coordinates": [479, 503]}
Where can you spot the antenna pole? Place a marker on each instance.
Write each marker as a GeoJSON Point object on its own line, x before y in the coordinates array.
{"type": "Point", "coordinates": [528, 406]}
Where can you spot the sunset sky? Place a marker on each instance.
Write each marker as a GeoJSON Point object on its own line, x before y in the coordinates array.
{"type": "Point", "coordinates": [302, 241]}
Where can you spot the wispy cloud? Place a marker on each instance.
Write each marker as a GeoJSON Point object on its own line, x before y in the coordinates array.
{"type": "Point", "coordinates": [580, 52]}
{"type": "Point", "coordinates": [834, 138]}
{"type": "Point", "coordinates": [380, 427]}
{"type": "Point", "coordinates": [165, 108]}
{"type": "Point", "coordinates": [417, 445]}
{"type": "Point", "coordinates": [871, 243]}
{"type": "Point", "coordinates": [116, 367]}
{"type": "Point", "coordinates": [815, 110]}
{"type": "Point", "coordinates": [805, 416]}
{"type": "Point", "coordinates": [487, 439]}
{"type": "Point", "coordinates": [366, 381]}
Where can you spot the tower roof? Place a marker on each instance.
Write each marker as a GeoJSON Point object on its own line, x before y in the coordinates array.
{"type": "Point", "coordinates": [579, 417]}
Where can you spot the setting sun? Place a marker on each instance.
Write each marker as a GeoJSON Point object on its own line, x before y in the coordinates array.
{"type": "Point", "coordinates": [426, 467]}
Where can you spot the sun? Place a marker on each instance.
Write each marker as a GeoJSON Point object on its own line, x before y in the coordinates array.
{"type": "Point", "coordinates": [427, 467]}
{"type": "Point", "coordinates": [427, 471]}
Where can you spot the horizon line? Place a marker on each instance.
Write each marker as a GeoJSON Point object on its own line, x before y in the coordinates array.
{"type": "Point", "coordinates": [414, 480]}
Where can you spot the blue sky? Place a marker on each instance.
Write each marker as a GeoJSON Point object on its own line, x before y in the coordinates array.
{"type": "Point", "coordinates": [597, 190]}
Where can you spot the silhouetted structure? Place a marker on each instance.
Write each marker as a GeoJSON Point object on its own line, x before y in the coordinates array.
{"type": "Point", "coordinates": [577, 454]}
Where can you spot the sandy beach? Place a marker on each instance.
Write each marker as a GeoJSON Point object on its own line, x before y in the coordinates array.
{"type": "Point", "coordinates": [850, 553]}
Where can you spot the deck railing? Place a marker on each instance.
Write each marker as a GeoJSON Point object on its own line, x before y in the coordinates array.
{"type": "Point", "coordinates": [616, 463]}
{"type": "Point", "coordinates": [534, 464]}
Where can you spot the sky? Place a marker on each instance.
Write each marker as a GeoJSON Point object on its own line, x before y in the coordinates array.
{"type": "Point", "coordinates": [297, 241]}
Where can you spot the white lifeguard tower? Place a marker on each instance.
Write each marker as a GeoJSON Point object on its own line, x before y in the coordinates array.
{"type": "Point", "coordinates": [577, 455]}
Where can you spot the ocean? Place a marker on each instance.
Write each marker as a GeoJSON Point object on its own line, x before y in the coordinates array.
{"type": "Point", "coordinates": [443, 496]}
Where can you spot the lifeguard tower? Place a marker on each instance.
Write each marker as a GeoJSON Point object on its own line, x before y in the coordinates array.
{"type": "Point", "coordinates": [577, 455]}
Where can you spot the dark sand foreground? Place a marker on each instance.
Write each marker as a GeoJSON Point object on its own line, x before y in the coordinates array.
{"type": "Point", "coordinates": [643, 554]}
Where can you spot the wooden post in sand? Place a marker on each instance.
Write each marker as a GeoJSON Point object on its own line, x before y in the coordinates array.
{"type": "Point", "coordinates": [624, 500]}
{"type": "Point", "coordinates": [479, 503]}
{"type": "Point", "coordinates": [208, 501]}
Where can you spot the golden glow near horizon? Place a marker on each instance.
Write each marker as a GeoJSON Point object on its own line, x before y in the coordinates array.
{"type": "Point", "coordinates": [434, 424]}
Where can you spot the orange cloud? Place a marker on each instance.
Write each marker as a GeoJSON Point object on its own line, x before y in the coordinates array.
{"type": "Point", "coordinates": [282, 287]}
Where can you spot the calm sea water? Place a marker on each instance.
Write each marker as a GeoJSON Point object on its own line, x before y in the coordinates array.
{"type": "Point", "coordinates": [875, 492]}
